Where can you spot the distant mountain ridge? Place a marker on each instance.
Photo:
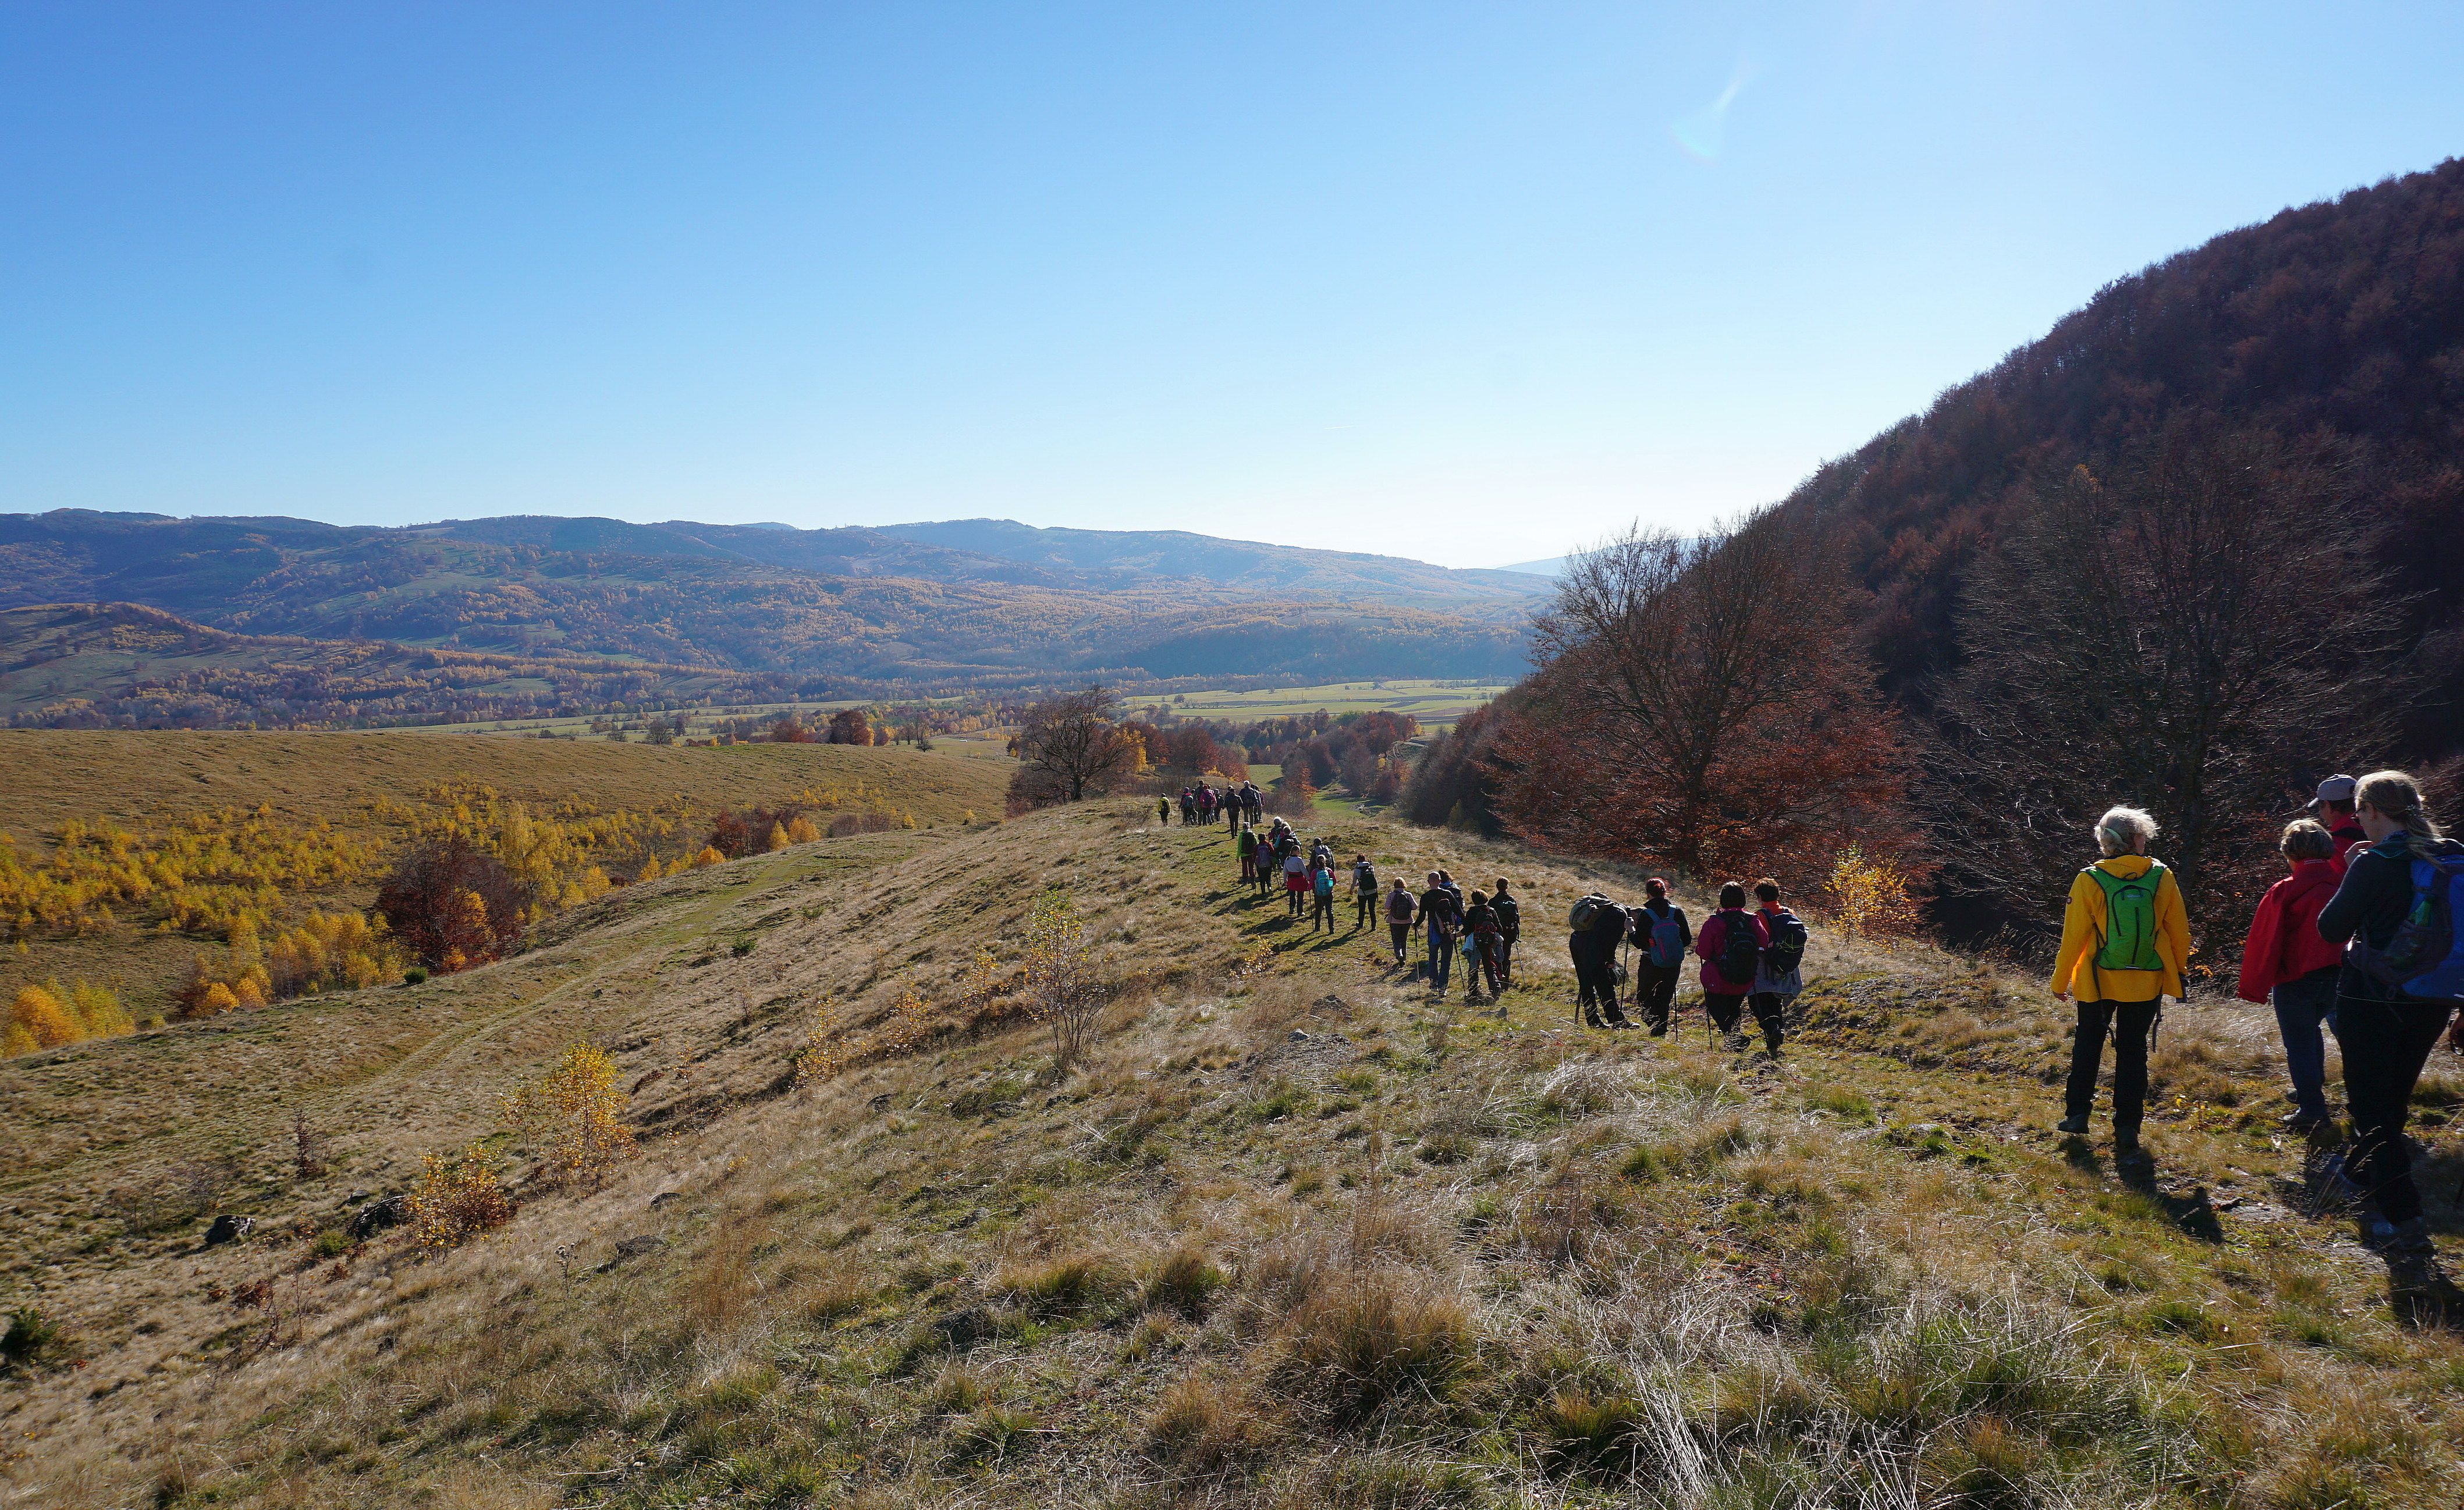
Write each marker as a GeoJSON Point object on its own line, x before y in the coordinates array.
{"type": "Point", "coordinates": [852, 611]}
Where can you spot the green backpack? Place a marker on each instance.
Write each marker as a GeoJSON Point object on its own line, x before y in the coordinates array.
{"type": "Point", "coordinates": [2129, 940]}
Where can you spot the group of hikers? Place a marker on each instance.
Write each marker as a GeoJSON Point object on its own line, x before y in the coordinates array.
{"type": "Point", "coordinates": [2360, 939]}
{"type": "Point", "coordinates": [1199, 804]}
{"type": "Point", "coordinates": [1749, 956]}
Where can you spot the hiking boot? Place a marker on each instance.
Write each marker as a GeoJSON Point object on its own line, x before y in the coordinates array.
{"type": "Point", "coordinates": [2076, 1125]}
{"type": "Point", "coordinates": [2303, 1121]}
{"type": "Point", "coordinates": [2125, 1146]}
{"type": "Point", "coordinates": [1660, 1030]}
{"type": "Point", "coordinates": [2404, 1239]}
{"type": "Point", "coordinates": [2340, 1185]}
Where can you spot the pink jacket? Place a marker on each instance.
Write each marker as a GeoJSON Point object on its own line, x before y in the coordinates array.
{"type": "Point", "coordinates": [1713, 938]}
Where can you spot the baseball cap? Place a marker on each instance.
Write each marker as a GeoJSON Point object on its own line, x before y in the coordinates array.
{"type": "Point", "coordinates": [2334, 789]}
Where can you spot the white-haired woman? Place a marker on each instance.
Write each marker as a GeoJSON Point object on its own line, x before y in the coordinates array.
{"type": "Point", "coordinates": [2390, 1005]}
{"type": "Point", "coordinates": [2125, 937]}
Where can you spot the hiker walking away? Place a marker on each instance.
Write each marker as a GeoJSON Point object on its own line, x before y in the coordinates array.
{"type": "Point", "coordinates": [1232, 817]}
{"type": "Point", "coordinates": [1480, 948]}
{"type": "Point", "coordinates": [2125, 938]}
{"type": "Point", "coordinates": [1364, 892]}
{"type": "Point", "coordinates": [1731, 947]}
{"type": "Point", "coordinates": [2332, 809]}
{"type": "Point", "coordinates": [1188, 806]}
{"type": "Point", "coordinates": [2400, 912]}
{"type": "Point", "coordinates": [1322, 897]}
{"type": "Point", "coordinates": [1247, 844]}
{"type": "Point", "coordinates": [1163, 812]}
{"type": "Point", "coordinates": [1295, 878]}
{"type": "Point", "coordinates": [2286, 963]}
{"type": "Point", "coordinates": [1399, 907]}
{"type": "Point", "coordinates": [1509, 928]}
{"type": "Point", "coordinates": [1252, 801]}
{"type": "Point", "coordinates": [1598, 927]}
{"type": "Point", "coordinates": [1777, 977]}
{"type": "Point", "coordinates": [1441, 919]}
{"type": "Point", "coordinates": [1661, 937]}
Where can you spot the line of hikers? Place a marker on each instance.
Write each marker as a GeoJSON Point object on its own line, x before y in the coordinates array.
{"type": "Point", "coordinates": [2361, 938]}
{"type": "Point", "coordinates": [1201, 803]}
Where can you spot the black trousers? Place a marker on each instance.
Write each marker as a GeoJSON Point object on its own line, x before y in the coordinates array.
{"type": "Point", "coordinates": [1401, 934]}
{"type": "Point", "coordinates": [1595, 986]}
{"type": "Point", "coordinates": [1655, 992]}
{"type": "Point", "coordinates": [1728, 1009]}
{"type": "Point", "coordinates": [2385, 1043]}
{"type": "Point", "coordinates": [1505, 946]}
{"type": "Point", "coordinates": [1364, 907]}
{"type": "Point", "coordinates": [2130, 1024]}
{"type": "Point", "coordinates": [1322, 910]}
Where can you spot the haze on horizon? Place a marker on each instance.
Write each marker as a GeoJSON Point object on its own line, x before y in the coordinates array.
{"type": "Point", "coordinates": [1473, 285]}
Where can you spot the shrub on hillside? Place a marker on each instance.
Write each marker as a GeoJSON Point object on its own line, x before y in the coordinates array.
{"type": "Point", "coordinates": [51, 1015]}
{"type": "Point", "coordinates": [578, 1110]}
{"type": "Point", "coordinates": [458, 1199]}
{"type": "Point", "coordinates": [453, 904]}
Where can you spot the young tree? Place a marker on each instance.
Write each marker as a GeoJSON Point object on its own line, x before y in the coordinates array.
{"type": "Point", "coordinates": [2190, 634]}
{"type": "Point", "coordinates": [1063, 989]}
{"type": "Point", "coordinates": [1069, 747]}
{"type": "Point", "coordinates": [1701, 703]}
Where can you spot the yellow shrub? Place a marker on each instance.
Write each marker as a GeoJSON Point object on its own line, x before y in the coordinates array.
{"type": "Point", "coordinates": [578, 1110]}
{"type": "Point", "coordinates": [802, 831]}
{"type": "Point", "coordinates": [457, 1199]}
{"type": "Point", "coordinates": [44, 1018]}
{"type": "Point", "coordinates": [651, 870]}
{"type": "Point", "coordinates": [217, 999]}
{"type": "Point", "coordinates": [709, 856]}
{"type": "Point", "coordinates": [778, 840]}
{"type": "Point", "coordinates": [1870, 897]}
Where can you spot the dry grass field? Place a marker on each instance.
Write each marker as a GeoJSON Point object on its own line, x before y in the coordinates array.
{"type": "Point", "coordinates": [360, 784]}
{"type": "Point", "coordinates": [1295, 1233]}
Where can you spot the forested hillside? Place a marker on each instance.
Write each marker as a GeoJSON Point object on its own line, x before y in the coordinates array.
{"type": "Point", "coordinates": [2338, 326]}
{"type": "Point", "coordinates": [2194, 550]}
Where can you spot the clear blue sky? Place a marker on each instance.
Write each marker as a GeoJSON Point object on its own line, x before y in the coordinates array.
{"type": "Point", "coordinates": [1470, 283]}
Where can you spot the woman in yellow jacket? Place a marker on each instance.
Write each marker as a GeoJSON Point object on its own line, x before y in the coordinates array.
{"type": "Point", "coordinates": [2125, 937]}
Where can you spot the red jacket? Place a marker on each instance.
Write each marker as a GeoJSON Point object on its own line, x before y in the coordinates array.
{"type": "Point", "coordinates": [2284, 943]}
{"type": "Point", "coordinates": [1714, 938]}
{"type": "Point", "coordinates": [2347, 837]}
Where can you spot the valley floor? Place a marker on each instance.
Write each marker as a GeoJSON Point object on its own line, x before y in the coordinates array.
{"type": "Point", "coordinates": [1297, 1234]}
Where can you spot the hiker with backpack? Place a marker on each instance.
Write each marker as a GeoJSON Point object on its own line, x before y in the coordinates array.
{"type": "Point", "coordinates": [1188, 807]}
{"type": "Point", "coordinates": [1509, 928]}
{"type": "Point", "coordinates": [1480, 948]}
{"type": "Point", "coordinates": [2125, 939]}
{"type": "Point", "coordinates": [1246, 842]}
{"type": "Point", "coordinates": [1777, 975]}
{"type": "Point", "coordinates": [1163, 812]}
{"type": "Point", "coordinates": [1295, 878]}
{"type": "Point", "coordinates": [1441, 919]}
{"type": "Point", "coordinates": [1232, 817]}
{"type": "Point", "coordinates": [1731, 947]}
{"type": "Point", "coordinates": [1400, 908]}
{"type": "Point", "coordinates": [2400, 913]}
{"type": "Point", "coordinates": [1364, 892]}
{"type": "Point", "coordinates": [2285, 962]}
{"type": "Point", "coordinates": [1661, 937]}
{"type": "Point", "coordinates": [1598, 927]}
{"type": "Point", "coordinates": [1321, 895]}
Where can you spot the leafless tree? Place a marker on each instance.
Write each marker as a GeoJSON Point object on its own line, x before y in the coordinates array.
{"type": "Point", "coordinates": [1705, 692]}
{"type": "Point", "coordinates": [2193, 634]}
{"type": "Point", "coordinates": [1072, 749]}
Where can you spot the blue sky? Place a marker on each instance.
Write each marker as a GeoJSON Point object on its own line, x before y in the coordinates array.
{"type": "Point", "coordinates": [1469, 283]}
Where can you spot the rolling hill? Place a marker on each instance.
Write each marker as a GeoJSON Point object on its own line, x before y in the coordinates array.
{"type": "Point", "coordinates": [1295, 1233]}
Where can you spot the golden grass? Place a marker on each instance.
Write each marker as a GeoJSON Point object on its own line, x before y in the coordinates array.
{"type": "Point", "coordinates": [1867, 1273]}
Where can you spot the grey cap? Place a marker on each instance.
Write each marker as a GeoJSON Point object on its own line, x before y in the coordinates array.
{"type": "Point", "coordinates": [2334, 789]}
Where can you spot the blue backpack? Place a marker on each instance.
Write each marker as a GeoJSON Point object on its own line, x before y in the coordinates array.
{"type": "Point", "coordinates": [2424, 958]}
{"type": "Point", "coordinates": [1667, 938]}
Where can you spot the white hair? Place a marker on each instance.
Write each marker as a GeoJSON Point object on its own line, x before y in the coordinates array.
{"type": "Point", "coordinates": [2124, 830]}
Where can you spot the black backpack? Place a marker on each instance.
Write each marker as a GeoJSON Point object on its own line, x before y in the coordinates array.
{"type": "Point", "coordinates": [1787, 943]}
{"type": "Point", "coordinates": [1739, 953]}
{"type": "Point", "coordinates": [1510, 916]}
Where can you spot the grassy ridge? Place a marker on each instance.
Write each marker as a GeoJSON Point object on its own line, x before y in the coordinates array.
{"type": "Point", "coordinates": [1298, 1234]}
